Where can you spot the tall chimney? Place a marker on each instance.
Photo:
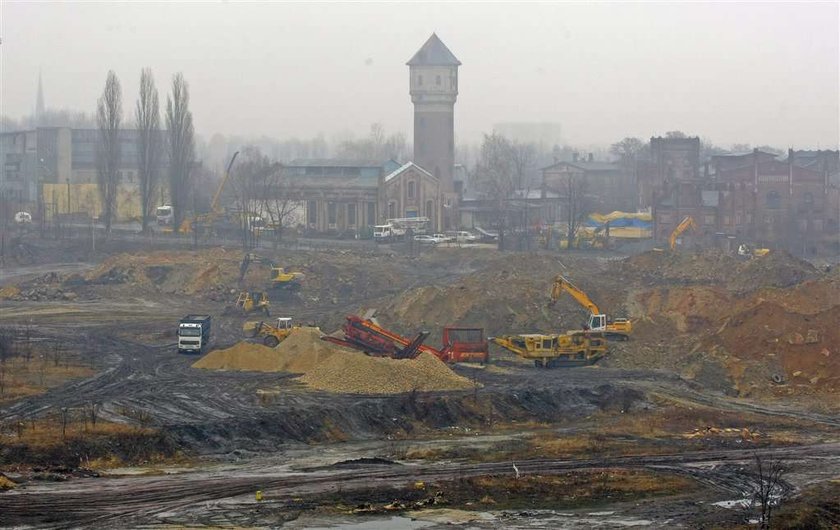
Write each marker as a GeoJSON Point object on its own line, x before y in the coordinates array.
{"type": "Point", "coordinates": [591, 157]}
{"type": "Point", "coordinates": [574, 157]}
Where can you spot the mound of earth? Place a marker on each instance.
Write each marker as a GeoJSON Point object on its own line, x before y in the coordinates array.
{"type": "Point", "coordinates": [325, 366]}
{"type": "Point", "coordinates": [712, 267]}
{"type": "Point", "coordinates": [357, 373]}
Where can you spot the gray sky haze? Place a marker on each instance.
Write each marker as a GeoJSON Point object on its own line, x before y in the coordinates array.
{"type": "Point", "coordinates": [759, 73]}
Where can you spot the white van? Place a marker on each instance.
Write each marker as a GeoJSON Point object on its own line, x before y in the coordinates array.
{"type": "Point", "coordinates": [164, 215]}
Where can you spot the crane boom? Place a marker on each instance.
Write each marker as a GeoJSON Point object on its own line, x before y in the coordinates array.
{"type": "Point", "coordinates": [685, 224]}
{"type": "Point", "coordinates": [214, 206]}
{"type": "Point", "coordinates": [561, 284]}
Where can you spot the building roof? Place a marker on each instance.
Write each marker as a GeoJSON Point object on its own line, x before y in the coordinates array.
{"type": "Point", "coordinates": [434, 53]}
{"type": "Point", "coordinates": [587, 166]}
{"type": "Point", "coordinates": [404, 168]}
{"type": "Point", "coordinates": [333, 162]}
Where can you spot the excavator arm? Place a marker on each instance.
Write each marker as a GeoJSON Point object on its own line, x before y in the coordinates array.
{"type": "Point", "coordinates": [562, 284]}
{"type": "Point", "coordinates": [685, 224]}
{"type": "Point", "coordinates": [214, 206]}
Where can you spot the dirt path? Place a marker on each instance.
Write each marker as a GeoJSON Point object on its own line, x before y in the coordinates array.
{"type": "Point", "coordinates": [110, 502]}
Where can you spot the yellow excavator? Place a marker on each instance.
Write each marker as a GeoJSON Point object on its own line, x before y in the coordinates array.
{"type": "Point", "coordinates": [685, 224]}
{"type": "Point", "coordinates": [617, 329]}
{"type": "Point", "coordinates": [279, 279]}
{"type": "Point", "coordinates": [575, 348]}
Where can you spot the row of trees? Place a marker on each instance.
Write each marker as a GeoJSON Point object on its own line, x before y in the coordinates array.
{"type": "Point", "coordinates": [178, 144]}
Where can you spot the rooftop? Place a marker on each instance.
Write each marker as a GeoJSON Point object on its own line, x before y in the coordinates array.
{"type": "Point", "coordinates": [434, 53]}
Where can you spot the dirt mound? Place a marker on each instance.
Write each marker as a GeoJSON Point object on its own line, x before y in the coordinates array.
{"type": "Point", "coordinates": [243, 356]}
{"type": "Point", "coordinates": [303, 349]}
{"type": "Point", "coordinates": [776, 269]}
{"type": "Point", "coordinates": [335, 369]}
{"type": "Point", "coordinates": [711, 267]}
{"type": "Point", "coordinates": [357, 373]}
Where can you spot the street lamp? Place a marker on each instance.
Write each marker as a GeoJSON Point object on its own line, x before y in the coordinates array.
{"type": "Point", "coordinates": [68, 195]}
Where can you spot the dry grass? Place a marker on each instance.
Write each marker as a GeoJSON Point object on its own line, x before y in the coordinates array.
{"type": "Point", "coordinates": [42, 372]}
{"type": "Point", "coordinates": [44, 433]}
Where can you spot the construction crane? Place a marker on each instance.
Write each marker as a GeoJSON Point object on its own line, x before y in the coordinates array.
{"type": "Point", "coordinates": [279, 279]}
{"type": "Point", "coordinates": [685, 224]}
{"type": "Point", "coordinates": [619, 328]}
{"type": "Point", "coordinates": [206, 221]}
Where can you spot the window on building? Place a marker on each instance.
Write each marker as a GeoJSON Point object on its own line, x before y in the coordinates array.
{"type": "Point", "coordinates": [419, 80]}
{"type": "Point", "coordinates": [371, 213]}
{"type": "Point", "coordinates": [774, 201]}
{"type": "Point", "coordinates": [311, 212]}
{"type": "Point", "coordinates": [392, 210]}
{"type": "Point", "coordinates": [709, 220]}
{"type": "Point", "coordinates": [332, 213]}
{"type": "Point", "coordinates": [411, 190]}
{"type": "Point", "coordinates": [808, 199]}
{"type": "Point", "coordinates": [351, 215]}
{"type": "Point", "coordinates": [429, 209]}
{"type": "Point", "coordinates": [831, 225]}
{"type": "Point", "coordinates": [437, 80]}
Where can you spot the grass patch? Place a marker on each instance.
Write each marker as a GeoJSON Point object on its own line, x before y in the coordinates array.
{"type": "Point", "coordinates": [20, 377]}
{"type": "Point", "coordinates": [50, 443]}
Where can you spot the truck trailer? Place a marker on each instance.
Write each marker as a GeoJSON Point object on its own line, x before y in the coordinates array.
{"type": "Point", "coordinates": [194, 334]}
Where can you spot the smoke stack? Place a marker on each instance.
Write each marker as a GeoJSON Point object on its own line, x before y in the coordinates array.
{"type": "Point", "coordinates": [591, 157]}
{"type": "Point", "coordinates": [574, 157]}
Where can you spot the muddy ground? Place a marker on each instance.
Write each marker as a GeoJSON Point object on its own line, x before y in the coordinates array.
{"type": "Point", "coordinates": [727, 356]}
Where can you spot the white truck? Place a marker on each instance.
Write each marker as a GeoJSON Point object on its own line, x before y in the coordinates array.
{"type": "Point", "coordinates": [164, 215]}
{"type": "Point", "coordinates": [193, 333]}
{"type": "Point", "coordinates": [395, 229]}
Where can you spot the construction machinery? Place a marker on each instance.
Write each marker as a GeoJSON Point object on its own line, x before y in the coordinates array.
{"type": "Point", "coordinates": [748, 252]}
{"type": "Point", "coordinates": [207, 222]}
{"type": "Point", "coordinates": [459, 344]}
{"type": "Point", "coordinates": [251, 302]}
{"type": "Point", "coordinates": [617, 329]}
{"type": "Point", "coordinates": [271, 334]}
{"type": "Point", "coordinates": [575, 348]}
{"type": "Point", "coordinates": [685, 224]}
{"type": "Point", "coordinates": [279, 279]}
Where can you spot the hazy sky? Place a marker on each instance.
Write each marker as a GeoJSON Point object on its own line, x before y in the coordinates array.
{"type": "Point", "coordinates": [752, 72]}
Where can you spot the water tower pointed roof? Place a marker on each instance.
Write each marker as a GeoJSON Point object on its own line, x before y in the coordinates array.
{"type": "Point", "coordinates": [434, 53]}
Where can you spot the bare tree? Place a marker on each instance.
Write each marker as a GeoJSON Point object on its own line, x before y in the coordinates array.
{"type": "Point", "coordinates": [523, 157]}
{"type": "Point", "coordinates": [767, 489]}
{"type": "Point", "coordinates": [628, 150]}
{"type": "Point", "coordinates": [578, 206]}
{"type": "Point", "coordinates": [108, 153]}
{"type": "Point", "coordinates": [378, 146]}
{"type": "Point", "coordinates": [281, 202]}
{"type": "Point", "coordinates": [181, 146]}
{"type": "Point", "coordinates": [148, 143]}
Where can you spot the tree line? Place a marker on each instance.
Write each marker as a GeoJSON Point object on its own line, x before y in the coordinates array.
{"type": "Point", "coordinates": [176, 143]}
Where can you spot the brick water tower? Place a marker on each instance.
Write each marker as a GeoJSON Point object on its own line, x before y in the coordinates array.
{"type": "Point", "coordinates": [433, 87]}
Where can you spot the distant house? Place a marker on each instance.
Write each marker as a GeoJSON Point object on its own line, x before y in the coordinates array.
{"type": "Point", "coordinates": [609, 185]}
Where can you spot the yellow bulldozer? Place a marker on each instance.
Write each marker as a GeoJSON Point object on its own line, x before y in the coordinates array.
{"type": "Point", "coordinates": [251, 302]}
{"type": "Point", "coordinates": [270, 334]}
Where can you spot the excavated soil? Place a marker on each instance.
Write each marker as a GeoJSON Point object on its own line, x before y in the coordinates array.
{"type": "Point", "coordinates": [331, 368]}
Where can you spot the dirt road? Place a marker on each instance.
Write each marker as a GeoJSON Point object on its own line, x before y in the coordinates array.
{"type": "Point", "coordinates": [143, 500]}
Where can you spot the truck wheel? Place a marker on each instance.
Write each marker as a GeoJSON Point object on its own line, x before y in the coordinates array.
{"type": "Point", "coordinates": [271, 341]}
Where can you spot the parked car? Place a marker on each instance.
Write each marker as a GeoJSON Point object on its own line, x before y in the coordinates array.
{"type": "Point", "coordinates": [461, 236]}
{"type": "Point", "coordinates": [426, 240]}
{"type": "Point", "coordinates": [443, 238]}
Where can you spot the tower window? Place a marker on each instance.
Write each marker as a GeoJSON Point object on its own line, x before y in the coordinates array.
{"type": "Point", "coordinates": [437, 80]}
{"type": "Point", "coordinates": [419, 80]}
{"type": "Point", "coordinates": [411, 189]}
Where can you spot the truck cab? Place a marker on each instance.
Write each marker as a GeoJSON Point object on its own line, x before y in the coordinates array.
{"type": "Point", "coordinates": [193, 334]}
{"type": "Point", "coordinates": [164, 215]}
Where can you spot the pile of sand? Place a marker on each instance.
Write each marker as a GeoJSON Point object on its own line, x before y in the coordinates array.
{"type": "Point", "coordinates": [357, 373]}
{"type": "Point", "coordinates": [325, 366]}
{"type": "Point", "coordinates": [243, 356]}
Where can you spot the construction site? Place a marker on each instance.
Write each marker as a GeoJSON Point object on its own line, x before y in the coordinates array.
{"type": "Point", "coordinates": [373, 387]}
